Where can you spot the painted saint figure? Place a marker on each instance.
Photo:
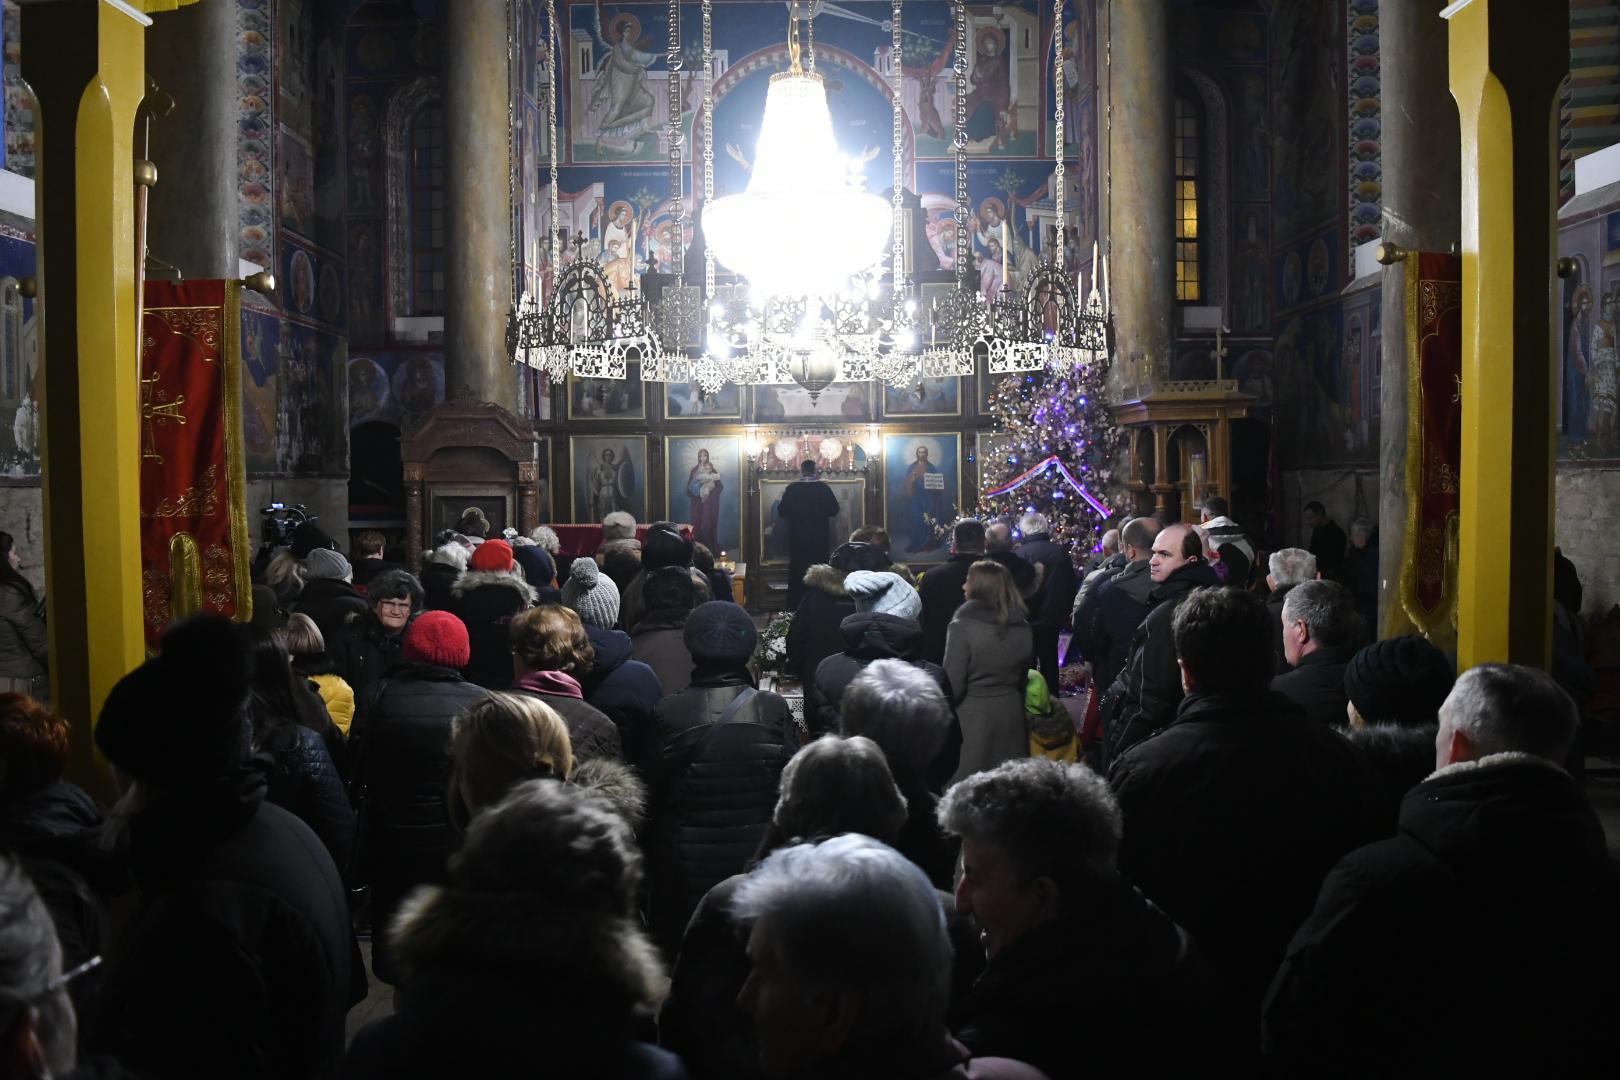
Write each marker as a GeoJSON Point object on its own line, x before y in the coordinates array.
{"type": "Point", "coordinates": [604, 487]}
{"type": "Point", "coordinates": [703, 489]}
{"type": "Point", "coordinates": [925, 506]}
{"type": "Point", "coordinates": [1576, 365]}
{"type": "Point", "coordinates": [621, 82]}
{"type": "Point", "coordinates": [1604, 372]}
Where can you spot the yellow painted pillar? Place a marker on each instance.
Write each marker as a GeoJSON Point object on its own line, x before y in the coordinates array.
{"type": "Point", "coordinates": [85, 60]}
{"type": "Point", "coordinates": [1507, 60]}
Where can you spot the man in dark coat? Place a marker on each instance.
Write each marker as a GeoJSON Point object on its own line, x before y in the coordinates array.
{"type": "Point", "coordinates": [1052, 604]}
{"type": "Point", "coordinates": [238, 953]}
{"type": "Point", "coordinates": [1059, 923]}
{"type": "Point", "coordinates": [1237, 810]}
{"type": "Point", "coordinates": [1319, 638]}
{"type": "Point", "coordinates": [998, 547]}
{"type": "Point", "coordinates": [1480, 939]}
{"type": "Point", "coordinates": [941, 586]}
{"type": "Point", "coordinates": [1106, 619]}
{"type": "Point", "coordinates": [884, 627]}
{"type": "Point", "coordinates": [368, 560]}
{"type": "Point", "coordinates": [721, 745]}
{"type": "Point", "coordinates": [1287, 568]}
{"type": "Point", "coordinates": [401, 746]}
{"type": "Point", "coordinates": [1326, 541]}
{"type": "Point", "coordinates": [1144, 697]}
{"type": "Point", "coordinates": [808, 507]}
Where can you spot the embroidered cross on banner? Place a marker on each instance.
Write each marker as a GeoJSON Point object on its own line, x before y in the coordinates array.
{"type": "Point", "coordinates": [153, 414]}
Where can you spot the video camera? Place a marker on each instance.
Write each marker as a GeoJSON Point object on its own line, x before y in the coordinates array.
{"type": "Point", "coordinates": [278, 520]}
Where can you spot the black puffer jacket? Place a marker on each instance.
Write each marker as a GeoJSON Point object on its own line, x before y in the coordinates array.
{"type": "Point", "coordinates": [362, 652]}
{"type": "Point", "coordinates": [813, 634]}
{"type": "Point", "coordinates": [1233, 816]}
{"type": "Point", "coordinates": [627, 690]}
{"type": "Point", "coordinates": [868, 636]}
{"type": "Point", "coordinates": [331, 603]}
{"type": "Point", "coordinates": [1108, 620]}
{"type": "Point", "coordinates": [238, 959]}
{"type": "Point", "coordinates": [402, 767]}
{"type": "Point", "coordinates": [304, 781]}
{"type": "Point", "coordinates": [1399, 759]}
{"type": "Point", "coordinates": [487, 601]}
{"type": "Point", "coordinates": [1144, 697]}
{"type": "Point", "coordinates": [437, 580]}
{"type": "Point", "coordinates": [713, 791]}
{"type": "Point", "coordinates": [1164, 1011]}
{"type": "Point", "coordinates": [1480, 940]}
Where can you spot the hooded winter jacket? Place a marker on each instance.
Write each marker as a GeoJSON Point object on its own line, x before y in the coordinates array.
{"type": "Point", "coordinates": [868, 636]}
{"type": "Point", "coordinates": [487, 601]}
{"type": "Point", "coordinates": [625, 689]}
{"type": "Point", "coordinates": [1480, 940]}
{"type": "Point", "coordinates": [1144, 697]}
{"type": "Point", "coordinates": [813, 635]}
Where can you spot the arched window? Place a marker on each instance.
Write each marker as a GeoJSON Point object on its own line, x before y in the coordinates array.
{"type": "Point", "coordinates": [427, 210]}
{"type": "Point", "coordinates": [1189, 280]}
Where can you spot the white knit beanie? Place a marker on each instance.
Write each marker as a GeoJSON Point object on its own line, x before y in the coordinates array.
{"type": "Point", "coordinates": [591, 593]}
{"type": "Point", "coordinates": [883, 591]}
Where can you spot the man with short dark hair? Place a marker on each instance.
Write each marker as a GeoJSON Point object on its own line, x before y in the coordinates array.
{"type": "Point", "coordinates": [1326, 540]}
{"type": "Point", "coordinates": [1106, 616]}
{"type": "Point", "coordinates": [1236, 811]}
{"type": "Point", "coordinates": [1319, 638]}
{"type": "Point", "coordinates": [1481, 939]}
{"type": "Point", "coordinates": [941, 587]}
{"type": "Point", "coordinates": [368, 561]}
{"type": "Point", "coordinates": [808, 506]}
{"type": "Point", "coordinates": [998, 547]}
{"type": "Point", "coordinates": [1053, 601]}
{"type": "Point", "coordinates": [1059, 923]}
{"type": "Point", "coordinates": [1144, 697]}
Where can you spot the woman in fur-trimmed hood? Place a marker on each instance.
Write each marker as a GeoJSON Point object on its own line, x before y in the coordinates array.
{"type": "Point", "coordinates": [530, 960]}
{"type": "Point", "coordinates": [814, 635]}
{"type": "Point", "coordinates": [486, 597]}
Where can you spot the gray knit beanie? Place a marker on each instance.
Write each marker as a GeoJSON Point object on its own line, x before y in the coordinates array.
{"type": "Point", "coordinates": [326, 563]}
{"type": "Point", "coordinates": [591, 593]}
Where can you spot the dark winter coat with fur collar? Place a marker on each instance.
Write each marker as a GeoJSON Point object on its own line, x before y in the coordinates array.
{"type": "Point", "coordinates": [501, 984]}
{"type": "Point", "coordinates": [814, 634]}
{"type": "Point", "coordinates": [487, 601]}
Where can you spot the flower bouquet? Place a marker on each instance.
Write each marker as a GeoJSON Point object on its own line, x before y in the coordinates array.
{"type": "Point", "coordinates": [770, 655]}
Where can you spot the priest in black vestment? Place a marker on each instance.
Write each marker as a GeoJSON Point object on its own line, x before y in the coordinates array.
{"type": "Point", "coordinates": [808, 506]}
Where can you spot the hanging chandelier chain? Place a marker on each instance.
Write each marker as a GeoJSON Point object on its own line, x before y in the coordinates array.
{"type": "Point", "coordinates": [551, 145]}
{"type": "Point", "coordinates": [1062, 136]}
{"type": "Point", "coordinates": [959, 70]}
{"type": "Point", "coordinates": [511, 146]}
{"type": "Point", "coordinates": [677, 184]}
{"type": "Point", "coordinates": [897, 269]}
{"type": "Point", "coordinates": [810, 42]}
{"type": "Point", "coordinates": [708, 139]}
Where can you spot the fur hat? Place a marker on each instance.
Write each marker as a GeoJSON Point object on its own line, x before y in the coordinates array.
{"type": "Point", "coordinates": [618, 526]}
{"type": "Point", "coordinates": [883, 591]}
{"type": "Point", "coordinates": [492, 556]}
{"type": "Point", "coordinates": [664, 547]}
{"type": "Point", "coordinates": [180, 719]}
{"type": "Point", "coordinates": [1402, 680]}
{"type": "Point", "coordinates": [719, 630]}
{"type": "Point", "coordinates": [473, 523]}
{"type": "Point", "coordinates": [591, 593]}
{"type": "Point", "coordinates": [307, 537]}
{"type": "Point", "coordinates": [326, 563]}
{"type": "Point", "coordinates": [437, 637]}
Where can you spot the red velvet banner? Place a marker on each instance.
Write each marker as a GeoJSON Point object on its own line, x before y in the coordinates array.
{"type": "Point", "coordinates": [1434, 440]}
{"type": "Point", "coordinates": [194, 538]}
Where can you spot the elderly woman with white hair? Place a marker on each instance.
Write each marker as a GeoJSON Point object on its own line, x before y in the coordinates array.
{"type": "Point", "coordinates": [851, 968]}
{"type": "Point", "coordinates": [441, 569]}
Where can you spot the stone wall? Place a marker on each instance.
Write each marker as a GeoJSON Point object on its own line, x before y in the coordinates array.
{"type": "Point", "coordinates": [1584, 528]}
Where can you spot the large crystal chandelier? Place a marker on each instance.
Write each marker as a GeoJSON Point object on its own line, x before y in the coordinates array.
{"type": "Point", "coordinates": [798, 176]}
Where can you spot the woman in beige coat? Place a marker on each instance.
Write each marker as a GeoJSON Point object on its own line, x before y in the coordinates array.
{"type": "Point", "coordinates": [988, 650]}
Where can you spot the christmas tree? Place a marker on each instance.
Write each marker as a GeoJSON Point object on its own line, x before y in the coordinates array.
{"type": "Point", "coordinates": [1053, 449]}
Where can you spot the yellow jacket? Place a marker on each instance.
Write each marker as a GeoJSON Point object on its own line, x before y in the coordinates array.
{"type": "Point", "coordinates": [339, 698]}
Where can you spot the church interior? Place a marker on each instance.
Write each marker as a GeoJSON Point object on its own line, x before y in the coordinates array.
{"type": "Point", "coordinates": [1341, 275]}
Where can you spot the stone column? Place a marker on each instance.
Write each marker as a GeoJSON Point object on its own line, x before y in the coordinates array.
{"type": "Point", "coordinates": [1140, 196]}
{"type": "Point", "coordinates": [478, 272]}
{"type": "Point", "coordinates": [1422, 212]}
{"type": "Point", "coordinates": [192, 215]}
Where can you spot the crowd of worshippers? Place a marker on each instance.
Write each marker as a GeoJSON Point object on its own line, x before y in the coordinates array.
{"type": "Point", "coordinates": [582, 842]}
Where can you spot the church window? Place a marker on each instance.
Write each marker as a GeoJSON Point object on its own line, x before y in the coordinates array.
{"type": "Point", "coordinates": [427, 210]}
{"type": "Point", "coordinates": [1189, 286]}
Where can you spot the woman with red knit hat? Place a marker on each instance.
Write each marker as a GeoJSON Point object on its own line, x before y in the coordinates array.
{"type": "Point", "coordinates": [486, 598]}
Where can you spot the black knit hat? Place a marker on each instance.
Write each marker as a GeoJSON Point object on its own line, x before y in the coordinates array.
{"type": "Point", "coordinates": [179, 719]}
{"type": "Point", "coordinates": [307, 537]}
{"type": "Point", "coordinates": [859, 556]}
{"type": "Point", "coordinates": [664, 547]}
{"type": "Point", "coordinates": [1401, 680]}
{"type": "Point", "coordinates": [719, 630]}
